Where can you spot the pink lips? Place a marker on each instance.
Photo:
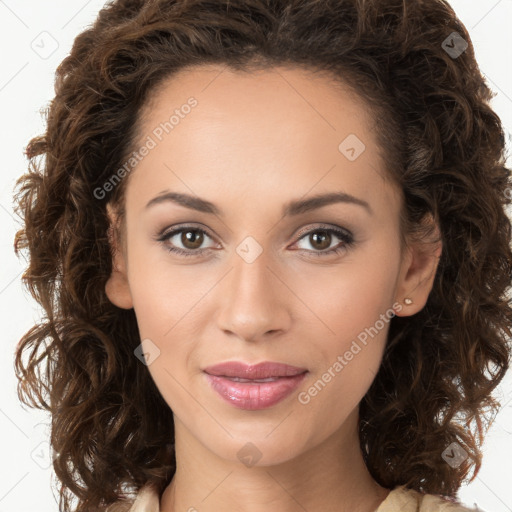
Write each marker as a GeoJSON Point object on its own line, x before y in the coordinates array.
{"type": "Point", "coordinates": [254, 386]}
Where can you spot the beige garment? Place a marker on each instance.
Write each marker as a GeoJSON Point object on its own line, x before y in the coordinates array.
{"type": "Point", "coordinates": [399, 499]}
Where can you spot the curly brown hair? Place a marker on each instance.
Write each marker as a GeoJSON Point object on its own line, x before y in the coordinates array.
{"type": "Point", "coordinates": [443, 144]}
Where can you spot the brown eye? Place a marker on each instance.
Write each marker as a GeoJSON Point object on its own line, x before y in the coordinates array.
{"type": "Point", "coordinates": [192, 238]}
{"type": "Point", "coordinates": [320, 240]}
{"type": "Point", "coordinates": [185, 241]}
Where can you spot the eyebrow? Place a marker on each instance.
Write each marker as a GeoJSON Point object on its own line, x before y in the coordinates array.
{"type": "Point", "coordinates": [294, 207]}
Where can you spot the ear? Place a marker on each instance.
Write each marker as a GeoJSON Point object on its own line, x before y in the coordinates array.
{"type": "Point", "coordinates": [418, 271]}
{"type": "Point", "coordinates": [117, 287]}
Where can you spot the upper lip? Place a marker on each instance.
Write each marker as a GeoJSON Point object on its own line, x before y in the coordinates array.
{"type": "Point", "coordinates": [262, 370]}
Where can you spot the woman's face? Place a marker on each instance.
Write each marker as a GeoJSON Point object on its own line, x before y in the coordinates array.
{"type": "Point", "coordinates": [261, 279]}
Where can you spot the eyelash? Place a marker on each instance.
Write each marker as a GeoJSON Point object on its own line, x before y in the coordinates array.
{"type": "Point", "coordinates": [345, 236]}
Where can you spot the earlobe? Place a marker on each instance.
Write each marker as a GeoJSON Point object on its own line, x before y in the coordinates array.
{"type": "Point", "coordinates": [418, 272]}
{"type": "Point", "coordinates": [117, 287]}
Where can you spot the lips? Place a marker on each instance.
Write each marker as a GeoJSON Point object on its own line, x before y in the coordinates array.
{"type": "Point", "coordinates": [254, 387]}
{"type": "Point", "coordinates": [265, 370]}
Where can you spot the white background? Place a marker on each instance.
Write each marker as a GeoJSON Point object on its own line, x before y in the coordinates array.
{"type": "Point", "coordinates": [29, 31]}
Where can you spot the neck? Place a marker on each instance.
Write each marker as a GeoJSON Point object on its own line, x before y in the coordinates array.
{"type": "Point", "coordinates": [331, 477]}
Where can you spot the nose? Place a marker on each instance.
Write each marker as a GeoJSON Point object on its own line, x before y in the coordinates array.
{"type": "Point", "coordinates": [254, 301]}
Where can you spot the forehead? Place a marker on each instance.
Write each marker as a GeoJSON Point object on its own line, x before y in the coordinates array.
{"type": "Point", "coordinates": [279, 129]}
{"type": "Point", "coordinates": [286, 94]}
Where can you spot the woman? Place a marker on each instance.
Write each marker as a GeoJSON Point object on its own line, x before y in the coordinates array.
{"type": "Point", "coordinates": [271, 242]}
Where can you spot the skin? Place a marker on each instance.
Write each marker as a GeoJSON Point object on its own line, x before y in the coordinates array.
{"type": "Point", "coordinates": [250, 158]}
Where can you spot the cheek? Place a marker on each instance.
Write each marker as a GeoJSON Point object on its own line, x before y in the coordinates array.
{"type": "Point", "coordinates": [346, 300]}
{"type": "Point", "coordinates": [354, 313]}
{"type": "Point", "coordinates": [164, 292]}
{"type": "Point", "coordinates": [167, 303]}
{"type": "Point", "coordinates": [347, 358]}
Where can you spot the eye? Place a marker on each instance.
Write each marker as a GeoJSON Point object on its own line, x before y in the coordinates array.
{"type": "Point", "coordinates": [191, 238]}
{"type": "Point", "coordinates": [320, 239]}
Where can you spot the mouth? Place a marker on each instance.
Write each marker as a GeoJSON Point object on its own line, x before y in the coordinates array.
{"type": "Point", "coordinates": [254, 381]}
{"type": "Point", "coordinates": [260, 371]}
{"type": "Point", "coordinates": [253, 387]}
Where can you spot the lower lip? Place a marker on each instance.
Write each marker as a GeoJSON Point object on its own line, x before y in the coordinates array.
{"type": "Point", "coordinates": [257, 395]}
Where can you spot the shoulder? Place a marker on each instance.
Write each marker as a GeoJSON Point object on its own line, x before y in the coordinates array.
{"type": "Point", "coordinates": [410, 500]}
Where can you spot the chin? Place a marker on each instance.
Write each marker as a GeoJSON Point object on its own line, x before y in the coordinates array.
{"type": "Point", "coordinates": [258, 448]}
